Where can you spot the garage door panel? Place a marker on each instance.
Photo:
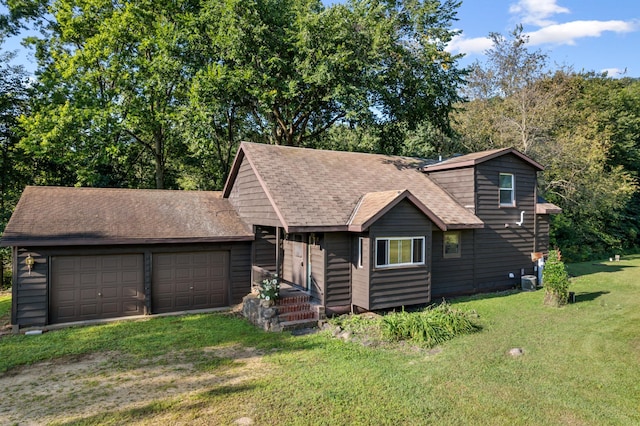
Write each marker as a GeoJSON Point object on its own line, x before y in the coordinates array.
{"type": "Point", "coordinates": [182, 273]}
{"type": "Point", "coordinates": [88, 262]}
{"type": "Point", "coordinates": [93, 287]}
{"type": "Point", "coordinates": [88, 309]}
{"type": "Point", "coordinates": [109, 308]}
{"type": "Point", "coordinates": [110, 277]}
{"type": "Point", "coordinates": [109, 292]}
{"type": "Point", "coordinates": [195, 280]}
{"type": "Point", "coordinates": [132, 308]}
{"type": "Point", "coordinates": [89, 294]}
{"type": "Point", "coordinates": [88, 278]}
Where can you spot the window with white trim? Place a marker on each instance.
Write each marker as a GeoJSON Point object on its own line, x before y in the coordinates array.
{"type": "Point", "coordinates": [507, 190]}
{"type": "Point", "coordinates": [360, 252]}
{"type": "Point", "coordinates": [451, 246]}
{"type": "Point", "coordinates": [400, 251]}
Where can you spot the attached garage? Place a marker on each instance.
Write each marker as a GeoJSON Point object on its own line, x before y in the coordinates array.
{"type": "Point", "coordinates": [87, 254]}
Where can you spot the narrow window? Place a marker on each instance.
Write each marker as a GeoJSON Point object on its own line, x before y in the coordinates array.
{"type": "Point", "coordinates": [507, 190]}
{"type": "Point", "coordinates": [360, 252]}
{"type": "Point", "coordinates": [451, 244]}
{"type": "Point", "coordinates": [399, 251]}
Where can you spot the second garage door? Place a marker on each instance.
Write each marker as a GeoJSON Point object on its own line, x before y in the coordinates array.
{"type": "Point", "coordinates": [187, 281]}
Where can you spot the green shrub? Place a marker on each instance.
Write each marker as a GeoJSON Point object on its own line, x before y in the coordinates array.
{"type": "Point", "coordinates": [430, 326]}
{"type": "Point", "coordinates": [555, 280]}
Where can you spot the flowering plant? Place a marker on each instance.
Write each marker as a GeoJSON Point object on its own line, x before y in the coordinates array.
{"type": "Point", "coordinates": [270, 289]}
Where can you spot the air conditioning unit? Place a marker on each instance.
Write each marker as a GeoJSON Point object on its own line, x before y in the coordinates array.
{"type": "Point", "coordinates": [529, 282]}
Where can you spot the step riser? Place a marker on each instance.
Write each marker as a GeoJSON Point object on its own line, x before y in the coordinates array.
{"type": "Point", "coordinates": [297, 316]}
{"type": "Point", "coordinates": [292, 300]}
{"type": "Point", "coordinates": [293, 308]}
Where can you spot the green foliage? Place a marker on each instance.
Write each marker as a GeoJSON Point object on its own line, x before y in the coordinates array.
{"type": "Point", "coordinates": [555, 280]}
{"type": "Point", "coordinates": [270, 289]}
{"type": "Point", "coordinates": [142, 94]}
{"type": "Point", "coordinates": [431, 326]}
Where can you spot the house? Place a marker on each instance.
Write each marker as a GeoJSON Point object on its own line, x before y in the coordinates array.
{"type": "Point", "coordinates": [352, 230]}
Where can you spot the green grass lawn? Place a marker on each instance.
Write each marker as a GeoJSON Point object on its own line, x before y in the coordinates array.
{"type": "Point", "coordinates": [5, 309]}
{"type": "Point", "coordinates": [580, 364]}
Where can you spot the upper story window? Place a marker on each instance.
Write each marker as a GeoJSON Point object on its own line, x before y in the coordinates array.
{"type": "Point", "coordinates": [507, 190]}
{"type": "Point", "coordinates": [399, 251]}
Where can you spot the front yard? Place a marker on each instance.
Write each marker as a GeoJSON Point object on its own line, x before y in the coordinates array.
{"type": "Point", "coordinates": [580, 366]}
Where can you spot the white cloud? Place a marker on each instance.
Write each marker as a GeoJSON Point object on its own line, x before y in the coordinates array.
{"type": "Point", "coordinates": [615, 72]}
{"type": "Point", "coordinates": [536, 12]}
{"type": "Point", "coordinates": [569, 32]}
{"type": "Point", "coordinates": [469, 46]}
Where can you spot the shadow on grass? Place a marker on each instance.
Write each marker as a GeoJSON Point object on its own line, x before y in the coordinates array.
{"type": "Point", "coordinates": [159, 408]}
{"type": "Point", "coordinates": [581, 269]}
{"type": "Point", "coordinates": [588, 297]}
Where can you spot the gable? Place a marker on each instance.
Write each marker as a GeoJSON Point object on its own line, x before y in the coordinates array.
{"type": "Point", "coordinates": [247, 195]}
{"type": "Point", "coordinates": [476, 158]}
{"type": "Point", "coordinates": [374, 205]}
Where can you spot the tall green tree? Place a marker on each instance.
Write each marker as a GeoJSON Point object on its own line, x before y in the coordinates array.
{"type": "Point", "coordinates": [300, 67]}
{"type": "Point", "coordinates": [130, 86]}
{"type": "Point", "coordinates": [14, 166]}
{"type": "Point", "coordinates": [110, 76]}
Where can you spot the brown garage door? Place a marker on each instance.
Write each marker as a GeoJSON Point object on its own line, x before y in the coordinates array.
{"type": "Point", "coordinates": [92, 287]}
{"type": "Point", "coordinates": [187, 281]}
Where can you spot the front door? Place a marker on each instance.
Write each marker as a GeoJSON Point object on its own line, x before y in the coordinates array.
{"type": "Point", "coordinates": [299, 267]}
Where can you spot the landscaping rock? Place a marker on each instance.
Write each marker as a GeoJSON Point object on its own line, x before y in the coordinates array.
{"type": "Point", "coordinates": [516, 352]}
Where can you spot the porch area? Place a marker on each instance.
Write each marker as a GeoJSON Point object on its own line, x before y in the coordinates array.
{"type": "Point", "coordinates": [293, 310]}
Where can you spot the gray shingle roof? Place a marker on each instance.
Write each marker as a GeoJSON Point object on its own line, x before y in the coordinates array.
{"type": "Point", "coordinates": [73, 216]}
{"type": "Point", "coordinates": [317, 188]}
{"type": "Point", "coordinates": [474, 158]}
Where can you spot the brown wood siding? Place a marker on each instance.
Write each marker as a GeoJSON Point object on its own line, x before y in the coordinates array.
{"type": "Point", "coordinates": [30, 297]}
{"type": "Point", "coordinates": [240, 271]}
{"type": "Point", "coordinates": [338, 269]}
{"type": "Point", "coordinates": [459, 183]}
{"type": "Point", "coordinates": [360, 275]}
{"type": "Point", "coordinates": [264, 248]}
{"type": "Point", "coordinates": [401, 286]}
{"type": "Point", "coordinates": [452, 276]}
{"type": "Point", "coordinates": [250, 200]}
{"type": "Point", "coordinates": [318, 269]}
{"type": "Point", "coordinates": [503, 247]}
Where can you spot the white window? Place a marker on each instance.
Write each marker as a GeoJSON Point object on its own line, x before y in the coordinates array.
{"type": "Point", "coordinates": [451, 246]}
{"type": "Point", "coordinates": [360, 252]}
{"type": "Point", "coordinates": [399, 251]}
{"type": "Point", "coordinates": [507, 190]}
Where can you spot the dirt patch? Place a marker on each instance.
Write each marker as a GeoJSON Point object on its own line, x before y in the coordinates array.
{"type": "Point", "coordinates": [71, 389]}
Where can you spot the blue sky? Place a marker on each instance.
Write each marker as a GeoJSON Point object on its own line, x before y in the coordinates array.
{"type": "Point", "coordinates": [588, 35]}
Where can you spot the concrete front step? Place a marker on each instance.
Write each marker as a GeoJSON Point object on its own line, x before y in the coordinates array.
{"type": "Point", "coordinates": [299, 324]}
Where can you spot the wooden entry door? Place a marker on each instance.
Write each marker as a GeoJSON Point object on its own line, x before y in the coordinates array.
{"type": "Point", "coordinates": [299, 258]}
